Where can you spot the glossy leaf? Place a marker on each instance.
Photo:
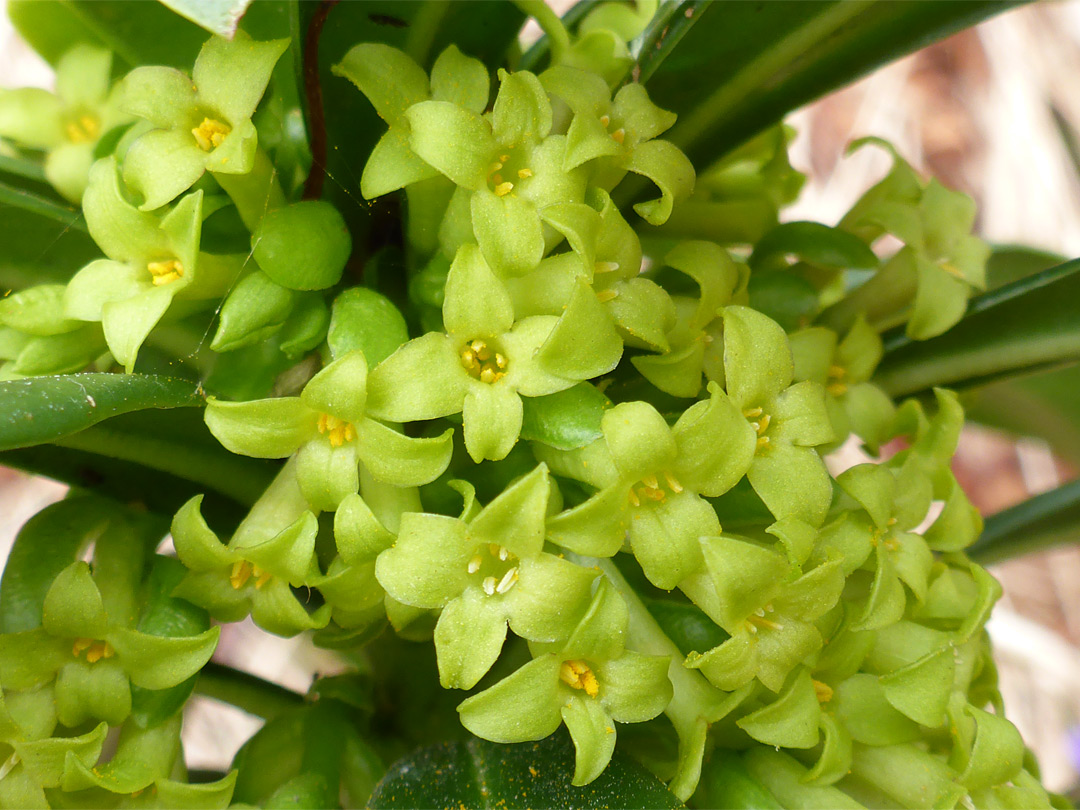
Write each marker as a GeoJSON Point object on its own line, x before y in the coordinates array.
{"type": "Point", "coordinates": [1025, 326]}
{"type": "Point", "coordinates": [479, 774]}
{"type": "Point", "coordinates": [44, 409]}
{"type": "Point", "coordinates": [42, 206]}
{"type": "Point", "coordinates": [1046, 520]}
{"type": "Point", "coordinates": [566, 420]}
{"type": "Point", "coordinates": [40, 249]}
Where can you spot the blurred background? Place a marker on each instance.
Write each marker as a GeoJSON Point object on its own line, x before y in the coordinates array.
{"type": "Point", "coordinates": [992, 111]}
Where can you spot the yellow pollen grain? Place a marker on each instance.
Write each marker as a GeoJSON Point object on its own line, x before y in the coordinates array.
{"type": "Point", "coordinates": [606, 295]}
{"type": "Point", "coordinates": [210, 134]}
{"type": "Point", "coordinates": [502, 189]}
{"type": "Point", "coordinates": [619, 135]}
{"type": "Point", "coordinates": [762, 442]}
{"type": "Point", "coordinates": [823, 691]}
{"type": "Point", "coordinates": [524, 173]}
{"type": "Point", "coordinates": [605, 120]}
{"type": "Point", "coordinates": [165, 272]}
{"type": "Point", "coordinates": [578, 675]}
{"type": "Point", "coordinates": [338, 431]}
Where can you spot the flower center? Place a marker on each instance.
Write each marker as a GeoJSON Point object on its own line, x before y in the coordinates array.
{"type": "Point", "coordinates": [95, 650]}
{"type": "Point", "coordinates": [505, 172]}
{"type": "Point", "coordinates": [210, 134]}
{"type": "Point", "coordinates": [577, 675]}
{"type": "Point", "coordinates": [243, 570]}
{"type": "Point", "coordinates": [619, 135]}
{"type": "Point", "coordinates": [759, 619]}
{"type": "Point", "coordinates": [649, 488]}
{"type": "Point", "coordinates": [496, 570]}
{"type": "Point", "coordinates": [836, 385]}
{"type": "Point", "coordinates": [823, 691]}
{"type": "Point", "coordinates": [165, 272]}
{"type": "Point", "coordinates": [481, 359]}
{"type": "Point", "coordinates": [759, 421]}
{"type": "Point", "coordinates": [885, 537]}
{"type": "Point", "coordinates": [338, 431]}
{"type": "Point", "coordinates": [83, 129]}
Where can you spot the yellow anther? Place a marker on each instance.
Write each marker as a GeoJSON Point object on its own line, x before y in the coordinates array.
{"type": "Point", "coordinates": [524, 173]}
{"type": "Point", "coordinates": [502, 189]}
{"type": "Point", "coordinates": [495, 167]}
{"type": "Point", "coordinates": [619, 135]}
{"type": "Point", "coordinates": [653, 493]}
{"type": "Point", "coordinates": [578, 675]}
{"type": "Point", "coordinates": [762, 442]}
{"type": "Point", "coordinates": [892, 521]}
{"type": "Point", "coordinates": [605, 267]}
{"type": "Point", "coordinates": [261, 576]}
{"type": "Point", "coordinates": [500, 360]}
{"type": "Point", "coordinates": [210, 134]}
{"type": "Point", "coordinates": [751, 413]}
{"type": "Point", "coordinates": [86, 128]}
{"type": "Point", "coordinates": [241, 573]}
{"type": "Point", "coordinates": [468, 358]}
{"type": "Point", "coordinates": [489, 585]}
{"type": "Point", "coordinates": [633, 497]}
{"type": "Point", "coordinates": [763, 424]}
{"type": "Point", "coordinates": [95, 650]}
{"type": "Point", "coordinates": [504, 158]}
{"type": "Point", "coordinates": [757, 620]}
{"type": "Point", "coordinates": [504, 553]}
{"type": "Point", "coordinates": [837, 372]}
{"type": "Point", "coordinates": [483, 362]}
{"type": "Point", "coordinates": [165, 272]}
{"type": "Point", "coordinates": [823, 691]}
{"type": "Point", "coordinates": [487, 374]}
{"type": "Point", "coordinates": [474, 564]}
{"type": "Point", "coordinates": [508, 581]}
{"type": "Point", "coordinates": [837, 389]}
{"type": "Point", "coordinates": [650, 481]}
{"type": "Point", "coordinates": [493, 549]}
{"type": "Point", "coordinates": [338, 431]}
{"type": "Point", "coordinates": [606, 295]}
{"type": "Point", "coordinates": [605, 120]}
{"type": "Point", "coordinates": [953, 269]}
{"type": "Point", "coordinates": [672, 482]}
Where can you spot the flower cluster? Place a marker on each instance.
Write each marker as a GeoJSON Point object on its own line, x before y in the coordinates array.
{"type": "Point", "coordinates": [635, 422]}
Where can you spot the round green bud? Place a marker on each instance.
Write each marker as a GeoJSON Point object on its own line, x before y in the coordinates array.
{"type": "Point", "coordinates": [303, 246]}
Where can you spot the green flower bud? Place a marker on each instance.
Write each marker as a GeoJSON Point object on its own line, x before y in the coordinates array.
{"type": "Point", "coordinates": [303, 246]}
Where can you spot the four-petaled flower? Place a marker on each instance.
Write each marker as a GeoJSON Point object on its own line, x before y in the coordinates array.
{"type": "Point", "coordinates": [486, 573]}
{"type": "Point", "coordinates": [590, 682]}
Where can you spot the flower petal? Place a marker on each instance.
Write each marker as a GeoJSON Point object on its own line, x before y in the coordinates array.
{"type": "Point", "coordinates": [156, 662]}
{"type": "Point", "coordinates": [457, 142]}
{"type": "Point", "coordinates": [127, 323]}
{"type": "Point", "coordinates": [508, 230]}
{"type": "Point", "coordinates": [261, 428]}
{"type": "Point", "coordinates": [593, 732]}
{"type": "Point", "coordinates": [492, 416]}
{"type": "Point", "coordinates": [521, 707]}
{"type": "Point", "coordinates": [424, 379]}
{"type": "Point", "coordinates": [468, 638]}
{"type": "Point", "coordinates": [476, 304]}
{"type": "Point", "coordinates": [428, 565]}
{"type": "Point", "coordinates": [340, 389]}
{"type": "Point", "coordinates": [231, 75]}
{"type": "Point", "coordinates": [397, 459]}
{"type": "Point", "coordinates": [163, 164]}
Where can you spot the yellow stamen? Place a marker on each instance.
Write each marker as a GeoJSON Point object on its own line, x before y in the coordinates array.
{"type": "Point", "coordinates": [338, 431]}
{"type": "Point", "coordinates": [762, 442]}
{"type": "Point", "coordinates": [487, 374]}
{"type": "Point", "coordinates": [837, 389]}
{"type": "Point", "coordinates": [241, 573]}
{"type": "Point", "coordinates": [483, 362]}
{"type": "Point", "coordinates": [605, 120]}
{"type": "Point", "coordinates": [673, 483]}
{"type": "Point", "coordinates": [262, 577]}
{"type": "Point", "coordinates": [950, 268]}
{"type": "Point", "coordinates": [474, 564]}
{"type": "Point", "coordinates": [633, 497]}
{"type": "Point", "coordinates": [489, 585]}
{"type": "Point", "coordinates": [524, 173]}
{"type": "Point", "coordinates": [650, 481]}
{"type": "Point", "coordinates": [837, 372]}
{"type": "Point", "coordinates": [468, 358]}
{"type": "Point", "coordinates": [823, 691]}
{"type": "Point", "coordinates": [577, 675]}
{"type": "Point", "coordinates": [502, 189]}
{"type": "Point", "coordinates": [95, 650]}
{"type": "Point", "coordinates": [210, 134]}
{"type": "Point", "coordinates": [763, 424]}
{"type": "Point", "coordinates": [508, 581]}
{"type": "Point", "coordinates": [165, 272]}
{"type": "Point", "coordinates": [757, 619]}
{"type": "Point", "coordinates": [605, 267]}
{"type": "Point", "coordinates": [83, 130]}
{"type": "Point", "coordinates": [500, 360]}
{"type": "Point", "coordinates": [606, 295]}
{"type": "Point", "coordinates": [497, 178]}
{"type": "Point", "coordinates": [751, 413]}
{"type": "Point", "coordinates": [619, 135]}
{"type": "Point", "coordinates": [493, 549]}
{"type": "Point", "coordinates": [504, 158]}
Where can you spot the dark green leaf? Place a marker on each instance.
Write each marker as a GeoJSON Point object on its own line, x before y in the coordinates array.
{"type": "Point", "coordinates": [1026, 326]}
{"type": "Point", "coordinates": [39, 249]}
{"type": "Point", "coordinates": [480, 774]}
{"type": "Point", "coordinates": [44, 409]}
{"type": "Point", "coordinates": [814, 243]}
{"type": "Point", "coordinates": [49, 542]}
{"type": "Point", "coordinates": [1009, 263]}
{"type": "Point", "coordinates": [216, 16]}
{"type": "Point", "coordinates": [1046, 520]}
{"type": "Point", "coordinates": [687, 625]}
{"type": "Point", "coordinates": [725, 782]}
{"type": "Point", "coordinates": [765, 59]}
{"type": "Point", "coordinates": [139, 33]}
{"type": "Point", "coordinates": [787, 298]}
{"type": "Point", "coordinates": [566, 420]}
{"type": "Point", "coordinates": [19, 167]}
{"type": "Point", "coordinates": [43, 206]}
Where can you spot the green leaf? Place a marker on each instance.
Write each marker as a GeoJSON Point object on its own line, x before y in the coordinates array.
{"type": "Point", "coordinates": [479, 774]}
{"type": "Point", "coordinates": [776, 57]}
{"type": "Point", "coordinates": [40, 249]}
{"type": "Point", "coordinates": [566, 420]}
{"type": "Point", "coordinates": [138, 33]}
{"type": "Point", "coordinates": [44, 409]}
{"type": "Point", "coordinates": [1044, 521]}
{"type": "Point", "coordinates": [1025, 326]}
{"type": "Point", "coordinates": [815, 243]}
{"type": "Point", "coordinates": [43, 206]}
{"type": "Point", "coordinates": [217, 16]}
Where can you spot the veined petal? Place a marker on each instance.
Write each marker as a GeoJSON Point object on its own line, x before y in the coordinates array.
{"type": "Point", "coordinates": [457, 142]}
{"type": "Point", "coordinates": [492, 415]}
{"type": "Point", "coordinates": [428, 565]}
{"type": "Point", "coordinates": [524, 706]}
{"type": "Point", "coordinates": [468, 638]}
{"type": "Point", "coordinates": [400, 460]}
{"type": "Point", "coordinates": [522, 113]}
{"type": "Point", "coordinates": [593, 732]}
{"type": "Point", "coordinates": [163, 164]}
{"type": "Point", "coordinates": [424, 379]}
{"type": "Point", "coordinates": [477, 304]}
{"type": "Point", "coordinates": [231, 75]}
{"type": "Point", "coordinates": [164, 96]}
{"type": "Point", "coordinates": [261, 428]}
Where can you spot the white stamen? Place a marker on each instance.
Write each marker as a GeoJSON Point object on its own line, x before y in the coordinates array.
{"type": "Point", "coordinates": [503, 553]}
{"type": "Point", "coordinates": [9, 765]}
{"type": "Point", "coordinates": [489, 585]}
{"type": "Point", "coordinates": [508, 581]}
{"type": "Point", "coordinates": [474, 564]}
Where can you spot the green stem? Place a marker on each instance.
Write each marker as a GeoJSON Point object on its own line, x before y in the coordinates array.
{"type": "Point", "coordinates": [220, 471]}
{"type": "Point", "coordinates": [248, 692]}
{"type": "Point", "coordinates": [422, 30]}
{"type": "Point", "coordinates": [256, 192]}
{"type": "Point", "coordinates": [695, 703]}
{"type": "Point", "coordinates": [1047, 520]}
{"type": "Point", "coordinates": [550, 22]}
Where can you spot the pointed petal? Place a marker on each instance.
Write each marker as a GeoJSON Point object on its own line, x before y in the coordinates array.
{"type": "Point", "coordinates": [793, 482]}
{"type": "Point", "coordinates": [261, 428]}
{"type": "Point", "coordinates": [508, 230]}
{"type": "Point", "coordinates": [492, 415]}
{"type": "Point", "coordinates": [231, 75]}
{"type": "Point", "coordinates": [524, 706]}
{"type": "Point", "coordinates": [634, 687]}
{"type": "Point", "coordinates": [424, 379]}
{"type": "Point", "coordinates": [196, 545]}
{"type": "Point", "coordinates": [455, 141]}
{"type": "Point", "coordinates": [477, 305]}
{"type": "Point", "coordinates": [155, 662]}
{"type": "Point", "coordinates": [163, 164]}
{"type": "Point", "coordinates": [716, 445]}
{"type": "Point", "coordinates": [461, 80]}
{"type": "Point", "coordinates": [73, 606]}
{"type": "Point", "coordinates": [584, 343]}
{"type": "Point", "coordinates": [164, 96]}
{"type": "Point", "coordinates": [670, 169]}
{"type": "Point", "coordinates": [515, 519]}
{"type": "Point", "coordinates": [468, 638]}
{"type": "Point", "coordinates": [757, 359]}
{"type": "Point", "coordinates": [390, 78]}
{"type": "Point", "coordinates": [340, 389]}
{"type": "Point", "coordinates": [428, 565]}
{"type": "Point", "coordinates": [593, 733]}
{"type": "Point", "coordinates": [397, 459]}
{"type": "Point", "coordinates": [327, 474]}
